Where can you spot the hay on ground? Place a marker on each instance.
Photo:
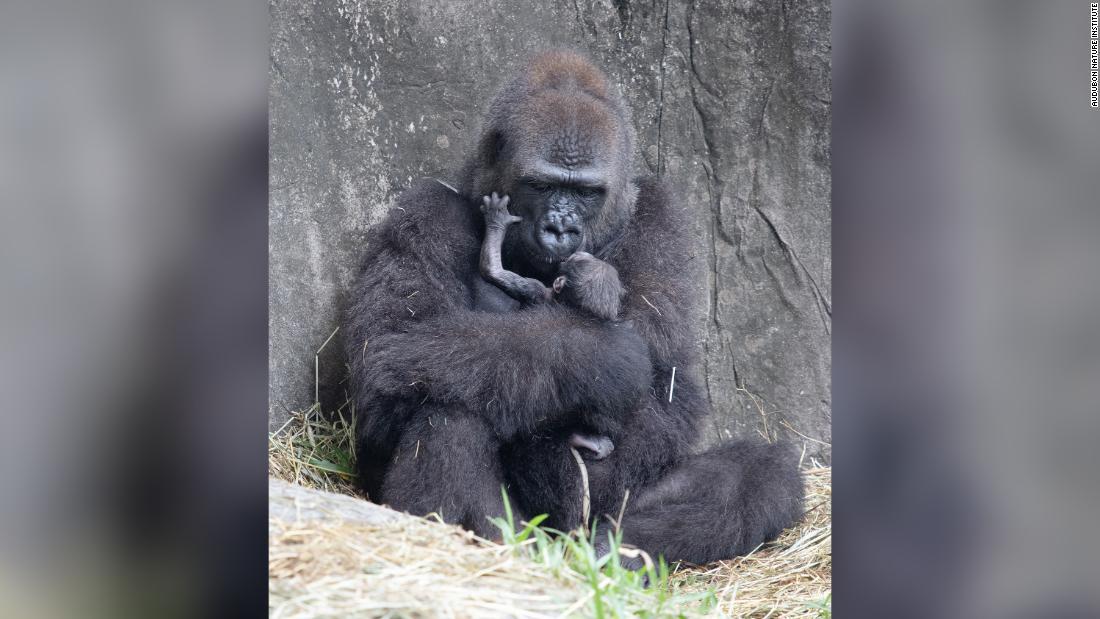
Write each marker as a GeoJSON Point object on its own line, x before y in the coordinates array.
{"type": "Point", "coordinates": [417, 567]}
{"type": "Point", "coordinates": [410, 567]}
{"type": "Point", "coordinates": [786, 578]}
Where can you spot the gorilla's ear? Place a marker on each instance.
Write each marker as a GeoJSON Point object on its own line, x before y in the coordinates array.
{"type": "Point", "coordinates": [492, 147]}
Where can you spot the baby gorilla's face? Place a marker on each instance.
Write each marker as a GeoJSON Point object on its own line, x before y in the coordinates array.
{"type": "Point", "coordinates": [590, 283]}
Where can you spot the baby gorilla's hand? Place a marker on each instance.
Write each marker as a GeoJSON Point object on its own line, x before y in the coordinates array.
{"type": "Point", "coordinates": [495, 209]}
{"type": "Point", "coordinates": [591, 284]}
{"type": "Point", "coordinates": [600, 446]}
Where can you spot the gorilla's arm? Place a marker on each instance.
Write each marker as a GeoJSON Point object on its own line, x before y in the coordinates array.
{"type": "Point", "coordinates": [520, 369]}
{"type": "Point", "coordinates": [413, 334]}
{"type": "Point", "coordinates": [658, 267]}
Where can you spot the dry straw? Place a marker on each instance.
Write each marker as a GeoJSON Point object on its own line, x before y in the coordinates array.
{"type": "Point", "coordinates": [788, 578]}
{"type": "Point", "coordinates": [407, 568]}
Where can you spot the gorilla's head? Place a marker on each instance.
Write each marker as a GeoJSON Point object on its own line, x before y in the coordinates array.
{"type": "Point", "coordinates": [559, 141]}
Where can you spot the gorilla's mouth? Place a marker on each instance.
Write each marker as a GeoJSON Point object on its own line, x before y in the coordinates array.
{"type": "Point", "coordinates": [549, 258]}
{"type": "Point", "coordinates": [538, 260]}
{"type": "Point", "coordinates": [554, 258]}
{"type": "Point", "coordinates": [555, 250]}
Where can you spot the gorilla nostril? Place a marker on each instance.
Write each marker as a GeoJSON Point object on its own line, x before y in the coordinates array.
{"type": "Point", "coordinates": [559, 236]}
{"type": "Point", "coordinates": [561, 232]}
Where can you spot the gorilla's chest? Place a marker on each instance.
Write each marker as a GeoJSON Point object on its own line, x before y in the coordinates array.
{"type": "Point", "coordinates": [489, 298]}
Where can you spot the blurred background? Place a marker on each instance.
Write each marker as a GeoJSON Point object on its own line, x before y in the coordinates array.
{"type": "Point", "coordinates": [731, 105]}
{"type": "Point", "coordinates": [133, 185]}
{"type": "Point", "coordinates": [967, 347]}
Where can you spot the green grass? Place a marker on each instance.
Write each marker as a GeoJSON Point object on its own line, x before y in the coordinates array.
{"type": "Point", "coordinates": [613, 590]}
{"type": "Point", "coordinates": [315, 450]}
{"type": "Point", "coordinates": [824, 607]}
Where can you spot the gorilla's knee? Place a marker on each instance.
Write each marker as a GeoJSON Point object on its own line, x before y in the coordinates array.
{"type": "Point", "coordinates": [447, 463]}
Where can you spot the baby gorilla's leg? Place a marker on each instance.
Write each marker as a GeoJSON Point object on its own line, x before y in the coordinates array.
{"type": "Point", "coordinates": [448, 463]}
{"type": "Point", "coordinates": [599, 447]}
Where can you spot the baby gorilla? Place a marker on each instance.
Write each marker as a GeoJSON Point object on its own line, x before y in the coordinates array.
{"type": "Point", "coordinates": [590, 284]}
{"type": "Point", "coordinates": [584, 282]}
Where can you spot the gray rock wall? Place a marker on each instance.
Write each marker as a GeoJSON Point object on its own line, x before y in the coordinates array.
{"type": "Point", "coordinates": [731, 102]}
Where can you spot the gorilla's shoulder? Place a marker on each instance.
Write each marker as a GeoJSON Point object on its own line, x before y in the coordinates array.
{"type": "Point", "coordinates": [430, 213]}
{"type": "Point", "coordinates": [656, 206]}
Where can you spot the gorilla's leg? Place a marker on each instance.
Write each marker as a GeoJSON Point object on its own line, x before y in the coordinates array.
{"type": "Point", "coordinates": [497, 220]}
{"type": "Point", "coordinates": [543, 478]}
{"type": "Point", "coordinates": [447, 462]}
{"type": "Point", "coordinates": [715, 505]}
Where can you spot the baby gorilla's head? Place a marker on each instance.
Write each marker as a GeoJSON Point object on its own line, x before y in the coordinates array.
{"type": "Point", "coordinates": [592, 284]}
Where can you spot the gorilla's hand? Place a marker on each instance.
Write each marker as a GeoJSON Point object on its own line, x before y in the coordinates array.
{"type": "Point", "coordinates": [600, 447]}
{"type": "Point", "coordinates": [590, 284]}
{"type": "Point", "coordinates": [497, 219]}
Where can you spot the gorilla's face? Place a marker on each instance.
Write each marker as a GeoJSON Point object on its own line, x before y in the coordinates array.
{"type": "Point", "coordinates": [557, 204]}
{"type": "Point", "coordinates": [558, 161]}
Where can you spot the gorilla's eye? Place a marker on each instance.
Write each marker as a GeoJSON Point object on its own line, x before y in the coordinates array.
{"type": "Point", "coordinates": [538, 185]}
{"type": "Point", "coordinates": [590, 192]}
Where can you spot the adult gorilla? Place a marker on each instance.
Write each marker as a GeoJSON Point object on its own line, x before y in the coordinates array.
{"type": "Point", "coordinates": [466, 378]}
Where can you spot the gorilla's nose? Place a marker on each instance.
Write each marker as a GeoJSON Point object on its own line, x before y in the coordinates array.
{"type": "Point", "coordinates": [560, 234]}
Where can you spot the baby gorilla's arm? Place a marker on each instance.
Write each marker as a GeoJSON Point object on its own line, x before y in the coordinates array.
{"type": "Point", "coordinates": [585, 282]}
{"type": "Point", "coordinates": [600, 446]}
{"type": "Point", "coordinates": [497, 219]}
{"type": "Point", "coordinates": [584, 269]}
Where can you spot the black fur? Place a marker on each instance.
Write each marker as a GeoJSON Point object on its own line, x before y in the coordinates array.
{"type": "Point", "coordinates": [590, 284]}
{"type": "Point", "coordinates": [753, 488]}
{"type": "Point", "coordinates": [459, 388]}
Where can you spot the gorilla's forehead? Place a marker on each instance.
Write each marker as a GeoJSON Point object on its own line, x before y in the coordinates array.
{"type": "Point", "coordinates": [571, 148]}
{"type": "Point", "coordinates": [568, 128]}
